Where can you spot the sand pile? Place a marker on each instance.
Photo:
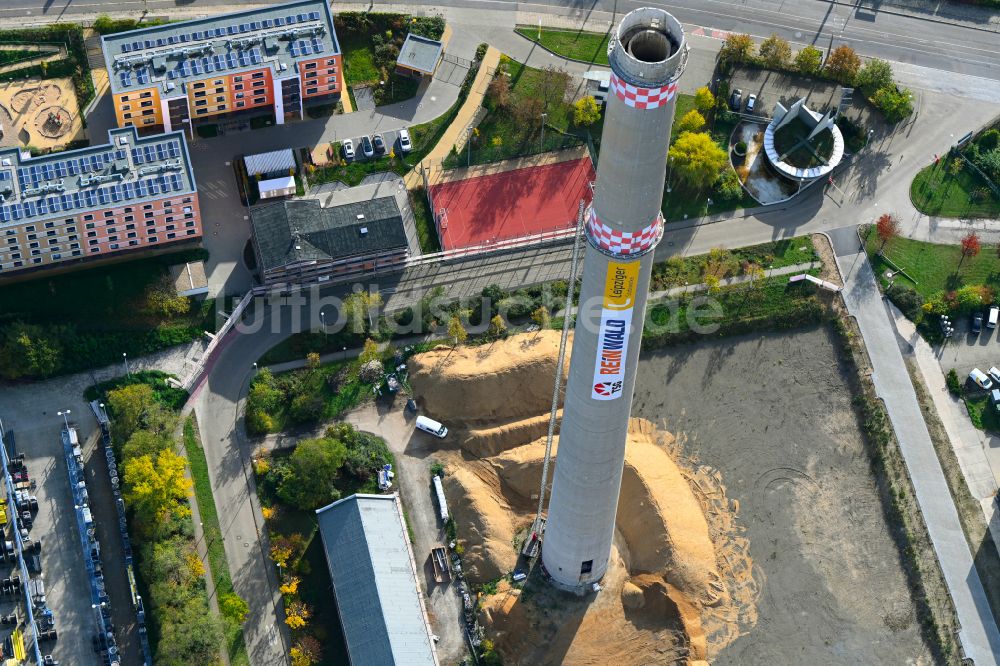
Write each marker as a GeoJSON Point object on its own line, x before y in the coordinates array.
{"type": "Point", "coordinates": [680, 585]}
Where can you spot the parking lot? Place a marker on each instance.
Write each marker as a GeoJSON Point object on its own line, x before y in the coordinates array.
{"type": "Point", "coordinates": [965, 351]}
{"type": "Point", "coordinates": [391, 139]}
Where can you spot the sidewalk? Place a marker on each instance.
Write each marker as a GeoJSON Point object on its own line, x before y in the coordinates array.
{"type": "Point", "coordinates": [455, 135]}
{"type": "Point", "coordinates": [978, 635]}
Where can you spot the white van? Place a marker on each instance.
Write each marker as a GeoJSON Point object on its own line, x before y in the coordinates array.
{"type": "Point", "coordinates": [994, 314]}
{"type": "Point", "coordinates": [431, 426]}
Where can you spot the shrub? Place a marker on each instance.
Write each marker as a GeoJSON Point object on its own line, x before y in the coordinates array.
{"type": "Point", "coordinates": [989, 139]}
{"type": "Point", "coordinates": [954, 383]}
{"type": "Point", "coordinates": [909, 302]}
{"type": "Point", "coordinates": [875, 75]}
{"type": "Point", "coordinates": [728, 187]}
{"type": "Point", "coordinates": [371, 372]}
{"type": "Point", "coordinates": [809, 61]}
{"type": "Point", "coordinates": [311, 471]}
{"type": "Point", "coordinates": [306, 407]}
{"type": "Point", "coordinates": [692, 121]}
{"type": "Point", "coordinates": [894, 103]}
{"type": "Point", "coordinates": [843, 64]}
{"type": "Point", "coordinates": [775, 52]}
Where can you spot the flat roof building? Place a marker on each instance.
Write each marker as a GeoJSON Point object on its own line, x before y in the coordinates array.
{"type": "Point", "coordinates": [130, 194]}
{"type": "Point", "coordinates": [271, 59]}
{"type": "Point", "coordinates": [299, 241]}
{"type": "Point", "coordinates": [419, 56]}
{"type": "Point", "coordinates": [375, 582]}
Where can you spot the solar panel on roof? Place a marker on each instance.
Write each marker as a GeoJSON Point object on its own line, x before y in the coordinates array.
{"type": "Point", "coordinates": [150, 43]}
{"type": "Point", "coordinates": [164, 182]}
{"type": "Point", "coordinates": [172, 149]}
{"type": "Point", "coordinates": [313, 15]}
{"type": "Point", "coordinates": [15, 211]}
{"type": "Point", "coordinates": [43, 207]}
{"type": "Point", "coordinates": [149, 152]}
{"type": "Point", "coordinates": [172, 39]}
{"type": "Point", "coordinates": [4, 213]}
{"type": "Point", "coordinates": [196, 67]}
{"type": "Point", "coordinates": [302, 17]}
{"type": "Point", "coordinates": [295, 49]}
{"type": "Point", "coordinates": [279, 21]}
{"type": "Point", "coordinates": [176, 180]}
{"type": "Point", "coordinates": [128, 190]}
{"type": "Point", "coordinates": [268, 23]}
{"type": "Point", "coordinates": [90, 197]}
{"type": "Point", "coordinates": [78, 200]}
{"type": "Point", "coordinates": [317, 45]}
{"type": "Point", "coordinates": [140, 188]}
{"type": "Point", "coordinates": [255, 56]}
{"type": "Point", "coordinates": [231, 59]}
{"type": "Point", "coordinates": [116, 192]}
{"type": "Point", "coordinates": [161, 151]}
{"type": "Point", "coordinates": [54, 204]}
{"type": "Point", "coordinates": [125, 78]}
{"type": "Point", "coordinates": [142, 75]}
{"type": "Point", "coordinates": [244, 27]}
{"type": "Point", "coordinates": [29, 209]}
{"type": "Point", "coordinates": [219, 32]}
{"type": "Point", "coordinates": [183, 37]}
{"type": "Point", "coordinates": [196, 35]}
{"type": "Point", "coordinates": [207, 64]}
{"type": "Point", "coordinates": [126, 48]}
{"type": "Point", "coordinates": [220, 61]}
{"type": "Point", "coordinates": [159, 41]}
{"type": "Point", "coordinates": [136, 46]}
{"type": "Point", "coordinates": [95, 162]}
{"type": "Point", "coordinates": [71, 167]}
{"type": "Point", "coordinates": [67, 201]}
{"type": "Point", "coordinates": [289, 19]}
{"type": "Point", "coordinates": [103, 196]}
{"type": "Point", "coordinates": [232, 30]}
{"type": "Point", "coordinates": [255, 25]}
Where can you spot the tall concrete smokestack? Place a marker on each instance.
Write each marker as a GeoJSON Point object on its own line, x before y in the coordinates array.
{"type": "Point", "coordinates": [624, 224]}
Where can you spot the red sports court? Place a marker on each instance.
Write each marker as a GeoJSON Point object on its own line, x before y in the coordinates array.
{"type": "Point", "coordinates": [484, 210]}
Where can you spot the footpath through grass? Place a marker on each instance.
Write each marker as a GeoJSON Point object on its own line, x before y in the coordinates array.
{"type": "Point", "coordinates": [575, 44]}
{"type": "Point", "coordinates": [235, 644]}
{"type": "Point", "coordinates": [935, 191]}
{"type": "Point", "coordinates": [934, 268]}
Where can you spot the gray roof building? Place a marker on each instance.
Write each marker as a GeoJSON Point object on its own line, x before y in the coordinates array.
{"type": "Point", "coordinates": [375, 582]}
{"type": "Point", "coordinates": [168, 55]}
{"type": "Point", "coordinates": [276, 161]}
{"type": "Point", "coordinates": [299, 236]}
{"type": "Point", "coordinates": [420, 54]}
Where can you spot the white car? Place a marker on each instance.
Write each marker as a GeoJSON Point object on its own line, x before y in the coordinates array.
{"type": "Point", "coordinates": [980, 379]}
{"type": "Point", "coordinates": [994, 374]}
{"type": "Point", "coordinates": [404, 141]}
{"type": "Point", "coordinates": [751, 103]}
{"type": "Point", "coordinates": [348, 146]}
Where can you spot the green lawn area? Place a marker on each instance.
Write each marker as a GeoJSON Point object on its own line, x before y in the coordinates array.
{"type": "Point", "coordinates": [982, 414]}
{"type": "Point", "coordinates": [354, 171]}
{"type": "Point", "coordinates": [576, 44]}
{"type": "Point", "coordinates": [678, 271]}
{"type": "Point", "coordinates": [399, 89]}
{"type": "Point", "coordinates": [359, 59]}
{"type": "Point", "coordinates": [424, 219]}
{"type": "Point", "coordinates": [167, 395]}
{"type": "Point", "coordinates": [933, 267]}
{"type": "Point", "coordinates": [682, 105]}
{"type": "Point", "coordinates": [934, 191]}
{"type": "Point", "coordinates": [235, 644]}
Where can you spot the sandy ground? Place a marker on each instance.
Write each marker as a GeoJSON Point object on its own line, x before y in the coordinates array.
{"type": "Point", "coordinates": [25, 107]}
{"type": "Point", "coordinates": [832, 588]}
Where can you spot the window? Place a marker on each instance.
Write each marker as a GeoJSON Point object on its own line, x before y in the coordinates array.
{"type": "Point", "coordinates": [218, 82]}
{"type": "Point", "coordinates": [586, 567]}
{"type": "Point", "coordinates": [150, 223]}
{"type": "Point", "coordinates": [112, 230]}
{"type": "Point", "coordinates": [145, 94]}
{"type": "Point", "coordinates": [36, 260]}
{"type": "Point", "coordinates": [131, 234]}
{"type": "Point", "coordinates": [114, 246]}
{"type": "Point", "coordinates": [238, 86]}
{"type": "Point", "coordinates": [220, 99]}
{"type": "Point", "coordinates": [90, 226]}
{"type": "Point", "coordinates": [56, 257]}
{"type": "Point", "coordinates": [331, 61]}
{"type": "Point", "coordinates": [169, 236]}
{"type": "Point", "coordinates": [310, 65]}
{"type": "Point", "coordinates": [93, 242]}
{"type": "Point", "coordinates": [149, 121]}
{"type": "Point", "coordinates": [240, 105]}
{"type": "Point", "coordinates": [192, 232]}
{"type": "Point", "coordinates": [189, 224]}
{"type": "Point", "coordinates": [148, 207]}
{"type": "Point", "coordinates": [153, 239]}
{"type": "Point", "coordinates": [258, 75]}
{"type": "Point", "coordinates": [311, 91]}
{"type": "Point", "coordinates": [128, 209]}
{"type": "Point", "coordinates": [50, 225]}
{"type": "Point", "coordinates": [11, 241]}
{"type": "Point", "coordinates": [70, 229]}
{"type": "Point", "coordinates": [238, 95]}
{"type": "Point", "coordinates": [128, 218]}
{"type": "Point", "coordinates": [148, 215]}
{"type": "Point", "coordinates": [51, 233]}
{"type": "Point", "coordinates": [35, 253]}
{"type": "Point", "coordinates": [76, 253]}
{"type": "Point", "coordinates": [198, 84]}
{"type": "Point", "coordinates": [74, 246]}
{"type": "Point", "coordinates": [169, 219]}
{"type": "Point", "coordinates": [124, 98]}
{"type": "Point", "coordinates": [32, 236]}
{"type": "Point", "coordinates": [129, 226]}
{"type": "Point", "coordinates": [32, 244]}
{"type": "Point", "coordinates": [170, 227]}
{"type": "Point", "coordinates": [72, 237]}
{"type": "Point", "coordinates": [30, 227]}
{"type": "Point", "coordinates": [92, 234]}
{"type": "Point", "coordinates": [237, 78]}
{"type": "Point", "coordinates": [16, 255]}
{"type": "Point", "coordinates": [109, 213]}
{"type": "Point", "coordinates": [112, 238]}
{"type": "Point", "coordinates": [146, 104]}
{"type": "Point", "coordinates": [95, 249]}
{"type": "Point", "coordinates": [311, 75]}
{"type": "Point", "coordinates": [85, 217]}
{"type": "Point", "coordinates": [200, 94]}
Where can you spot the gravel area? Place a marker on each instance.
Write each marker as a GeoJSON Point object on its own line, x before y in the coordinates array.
{"type": "Point", "coordinates": [789, 447]}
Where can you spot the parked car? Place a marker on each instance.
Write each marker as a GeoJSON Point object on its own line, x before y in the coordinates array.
{"type": "Point", "coordinates": [980, 379]}
{"type": "Point", "coordinates": [994, 374]}
{"type": "Point", "coordinates": [404, 141]}
{"type": "Point", "coordinates": [348, 147]}
{"type": "Point", "coordinates": [991, 317]}
{"type": "Point", "coordinates": [751, 103]}
{"type": "Point", "coordinates": [736, 100]}
{"type": "Point", "coordinates": [379, 143]}
{"type": "Point", "coordinates": [995, 399]}
{"type": "Point", "coordinates": [977, 322]}
{"type": "Point", "coordinates": [366, 147]}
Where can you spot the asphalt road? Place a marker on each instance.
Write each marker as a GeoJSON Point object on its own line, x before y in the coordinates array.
{"type": "Point", "coordinates": [972, 48]}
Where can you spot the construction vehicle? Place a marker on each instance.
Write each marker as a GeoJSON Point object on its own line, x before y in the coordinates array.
{"type": "Point", "coordinates": [439, 560]}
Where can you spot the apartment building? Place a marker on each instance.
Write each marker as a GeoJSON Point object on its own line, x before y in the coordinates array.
{"type": "Point", "coordinates": [130, 194]}
{"type": "Point", "coordinates": [165, 77]}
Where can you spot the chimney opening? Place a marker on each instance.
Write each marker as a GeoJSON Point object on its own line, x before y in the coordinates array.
{"type": "Point", "coordinates": [647, 45]}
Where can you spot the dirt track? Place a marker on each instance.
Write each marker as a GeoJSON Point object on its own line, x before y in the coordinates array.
{"type": "Point", "coordinates": [773, 414]}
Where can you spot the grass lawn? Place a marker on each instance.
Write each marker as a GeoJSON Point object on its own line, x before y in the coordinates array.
{"type": "Point", "coordinates": [354, 171]}
{"type": "Point", "coordinates": [169, 396]}
{"type": "Point", "coordinates": [983, 415]}
{"type": "Point", "coordinates": [400, 89]}
{"type": "Point", "coordinates": [936, 192]}
{"type": "Point", "coordinates": [235, 645]}
{"type": "Point", "coordinates": [359, 59]}
{"type": "Point", "coordinates": [933, 267]}
{"type": "Point", "coordinates": [576, 44]}
{"type": "Point", "coordinates": [424, 219]}
{"type": "Point", "coordinates": [679, 271]}
{"type": "Point", "coordinates": [683, 104]}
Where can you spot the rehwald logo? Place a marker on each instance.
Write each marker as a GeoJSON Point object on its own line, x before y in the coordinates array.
{"type": "Point", "coordinates": [616, 323]}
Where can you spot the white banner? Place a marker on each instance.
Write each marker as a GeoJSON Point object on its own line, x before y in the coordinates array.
{"type": "Point", "coordinates": [616, 326]}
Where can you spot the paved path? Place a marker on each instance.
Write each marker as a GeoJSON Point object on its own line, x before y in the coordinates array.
{"type": "Point", "coordinates": [979, 635]}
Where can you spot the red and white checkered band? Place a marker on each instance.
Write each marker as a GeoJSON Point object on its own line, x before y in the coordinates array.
{"type": "Point", "coordinates": [642, 98]}
{"type": "Point", "coordinates": [623, 243]}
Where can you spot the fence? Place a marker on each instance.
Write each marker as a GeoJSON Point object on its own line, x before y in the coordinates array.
{"type": "Point", "coordinates": [487, 153]}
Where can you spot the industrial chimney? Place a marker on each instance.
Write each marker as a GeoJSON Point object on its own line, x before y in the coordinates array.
{"type": "Point", "coordinates": [647, 55]}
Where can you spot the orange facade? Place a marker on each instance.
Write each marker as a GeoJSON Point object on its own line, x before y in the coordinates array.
{"type": "Point", "coordinates": [233, 92]}
{"type": "Point", "coordinates": [320, 76]}
{"type": "Point", "coordinates": [140, 108]}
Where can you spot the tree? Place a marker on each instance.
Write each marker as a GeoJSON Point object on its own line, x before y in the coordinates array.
{"type": "Point", "coordinates": [498, 327]}
{"type": "Point", "coordinates": [697, 159]}
{"type": "Point", "coordinates": [457, 330]}
{"type": "Point", "coordinates": [894, 103]}
{"type": "Point", "coordinates": [704, 100]}
{"type": "Point", "coordinates": [736, 48]}
{"type": "Point", "coordinates": [312, 360]}
{"type": "Point", "coordinates": [314, 465]}
{"type": "Point", "coordinates": [191, 636]}
{"type": "Point", "coordinates": [843, 64]}
{"type": "Point", "coordinates": [498, 93]}
{"type": "Point", "coordinates": [955, 167]}
{"type": "Point", "coordinates": [370, 351]}
{"type": "Point", "coordinates": [775, 51]}
{"type": "Point", "coordinates": [553, 87]}
{"type": "Point", "coordinates": [887, 227]}
{"type": "Point", "coordinates": [970, 246]}
{"type": "Point", "coordinates": [28, 351]}
{"type": "Point", "coordinates": [296, 614]}
{"type": "Point", "coordinates": [155, 487]}
{"type": "Point", "coordinates": [692, 121]}
{"type": "Point", "coordinates": [310, 648]}
{"type": "Point", "coordinates": [233, 607]}
{"type": "Point", "coordinates": [527, 110]}
{"type": "Point", "coordinates": [586, 111]}
{"type": "Point", "coordinates": [145, 443]}
{"type": "Point", "coordinates": [875, 75]}
{"type": "Point", "coordinates": [161, 299]}
{"type": "Point", "coordinates": [809, 61]}
{"type": "Point", "coordinates": [728, 187]}
{"type": "Point", "coordinates": [290, 585]}
{"type": "Point", "coordinates": [358, 308]}
{"type": "Point", "coordinates": [129, 406]}
{"type": "Point", "coordinates": [542, 317]}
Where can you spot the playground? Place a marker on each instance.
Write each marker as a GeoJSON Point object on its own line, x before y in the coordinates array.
{"type": "Point", "coordinates": [39, 113]}
{"type": "Point", "coordinates": [508, 200]}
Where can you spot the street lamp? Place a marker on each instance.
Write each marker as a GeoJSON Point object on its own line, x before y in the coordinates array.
{"type": "Point", "coordinates": [125, 359]}
{"type": "Point", "coordinates": [468, 141]}
{"type": "Point", "coordinates": [65, 416]}
{"type": "Point", "coordinates": [669, 162]}
{"type": "Point", "coordinates": [541, 143]}
{"type": "Point", "coordinates": [326, 333]}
